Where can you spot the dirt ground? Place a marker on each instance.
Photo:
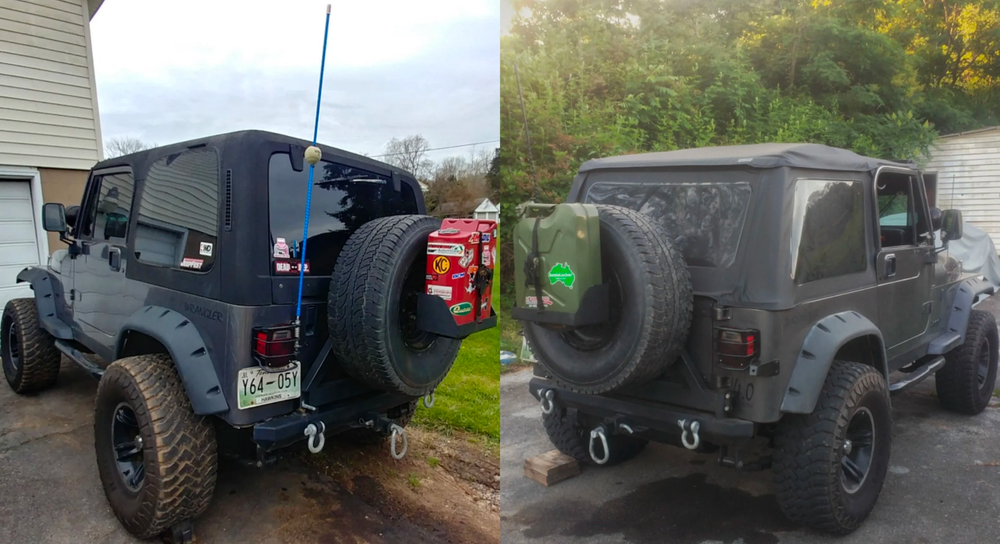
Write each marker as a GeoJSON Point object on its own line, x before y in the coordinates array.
{"type": "Point", "coordinates": [446, 490]}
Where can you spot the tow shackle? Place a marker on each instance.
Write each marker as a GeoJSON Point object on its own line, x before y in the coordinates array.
{"type": "Point", "coordinates": [689, 433]}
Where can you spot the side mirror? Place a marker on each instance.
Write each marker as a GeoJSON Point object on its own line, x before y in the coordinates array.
{"type": "Point", "coordinates": [951, 225]}
{"type": "Point", "coordinates": [54, 217]}
{"type": "Point", "coordinates": [936, 219]}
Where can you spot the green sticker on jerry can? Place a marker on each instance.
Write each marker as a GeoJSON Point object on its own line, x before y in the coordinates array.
{"type": "Point", "coordinates": [557, 250]}
{"type": "Point", "coordinates": [561, 272]}
{"type": "Point", "coordinates": [462, 308]}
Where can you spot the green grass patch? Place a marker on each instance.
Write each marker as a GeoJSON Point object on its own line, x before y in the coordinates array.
{"type": "Point", "coordinates": [469, 397]}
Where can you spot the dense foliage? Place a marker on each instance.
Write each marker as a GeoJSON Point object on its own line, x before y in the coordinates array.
{"type": "Point", "coordinates": [609, 77]}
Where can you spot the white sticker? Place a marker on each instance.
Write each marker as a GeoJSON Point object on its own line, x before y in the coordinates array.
{"type": "Point", "coordinates": [448, 250]}
{"type": "Point", "coordinates": [466, 259]}
{"type": "Point", "coordinates": [532, 302]}
{"type": "Point", "coordinates": [188, 262]}
{"type": "Point", "coordinates": [280, 249]}
{"type": "Point", "coordinates": [205, 248]}
{"type": "Point", "coordinates": [442, 291]}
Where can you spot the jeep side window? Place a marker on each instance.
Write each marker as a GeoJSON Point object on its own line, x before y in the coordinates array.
{"type": "Point", "coordinates": [828, 230]}
{"type": "Point", "coordinates": [179, 211]}
{"type": "Point", "coordinates": [900, 217]}
{"type": "Point", "coordinates": [106, 216]}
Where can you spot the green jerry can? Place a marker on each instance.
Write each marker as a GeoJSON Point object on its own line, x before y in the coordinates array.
{"type": "Point", "coordinates": [557, 256]}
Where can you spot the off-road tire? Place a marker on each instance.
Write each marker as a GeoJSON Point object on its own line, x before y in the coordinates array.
{"type": "Point", "coordinates": [808, 475]}
{"type": "Point", "coordinates": [178, 448]}
{"type": "Point", "coordinates": [573, 439]}
{"type": "Point", "coordinates": [367, 436]}
{"type": "Point", "coordinates": [647, 334]}
{"type": "Point", "coordinates": [38, 358]}
{"type": "Point", "coordinates": [380, 270]}
{"type": "Point", "coordinates": [957, 382]}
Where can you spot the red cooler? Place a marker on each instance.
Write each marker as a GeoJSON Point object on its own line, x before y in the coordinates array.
{"type": "Point", "coordinates": [460, 262]}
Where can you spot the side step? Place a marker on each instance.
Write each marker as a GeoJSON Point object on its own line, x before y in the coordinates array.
{"type": "Point", "coordinates": [79, 358]}
{"type": "Point", "coordinates": [931, 366]}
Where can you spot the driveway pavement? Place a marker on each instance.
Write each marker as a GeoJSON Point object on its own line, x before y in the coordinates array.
{"type": "Point", "coordinates": [943, 486]}
{"type": "Point", "coordinates": [50, 491]}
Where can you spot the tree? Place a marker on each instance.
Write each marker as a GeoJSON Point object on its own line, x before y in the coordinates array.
{"type": "Point", "coordinates": [116, 147]}
{"type": "Point", "coordinates": [410, 154]}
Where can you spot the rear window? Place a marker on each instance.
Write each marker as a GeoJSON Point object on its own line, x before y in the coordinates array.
{"type": "Point", "coordinates": [705, 219]}
{"type": "Point", "coordinates": [343, 199]}
{"type": "Point", "coordinates": [179, 212]}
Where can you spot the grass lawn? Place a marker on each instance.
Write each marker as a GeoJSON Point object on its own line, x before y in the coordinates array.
{"type": "Point", "coordinates": [469, 398]}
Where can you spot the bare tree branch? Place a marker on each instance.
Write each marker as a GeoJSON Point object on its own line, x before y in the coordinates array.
{"type": "Point", "coordinates": [116, 147]}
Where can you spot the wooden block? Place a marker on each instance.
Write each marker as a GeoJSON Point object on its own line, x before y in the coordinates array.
{"type": "Point", "coordinates": [551, 467]}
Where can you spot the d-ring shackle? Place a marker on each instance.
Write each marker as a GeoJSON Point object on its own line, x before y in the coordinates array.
{"type": "Point", "coordinates": [397, 431]}
{"type": "Point", "coordinates": [315, 439]}
{"type": "Point", "coordinates": [545, 397]}
{"type": "Point", "coordinates": [690, 429]}
{"type": "Point", "coordinates": [599, 434]}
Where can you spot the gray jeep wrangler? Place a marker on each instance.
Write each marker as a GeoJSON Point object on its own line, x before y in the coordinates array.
{"type": "Point", "coordinates": [776, 291]}
{"type": "Point", "coordinates": [178, 291]}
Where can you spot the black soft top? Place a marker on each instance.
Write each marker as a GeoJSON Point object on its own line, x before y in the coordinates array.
{"type": "Point", "coordinates": [811, 156]}
{"type": "Point", "coordinates": [250, 139]}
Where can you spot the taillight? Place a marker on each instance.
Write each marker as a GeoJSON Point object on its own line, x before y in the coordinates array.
{"type": "Point", "coordinates": [737, 348]}
{"type": "Point", "coordinates": [274, 347]}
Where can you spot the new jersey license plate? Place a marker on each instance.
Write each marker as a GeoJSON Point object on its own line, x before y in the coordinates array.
{"type": "Point", "coordinates": [256, 387]}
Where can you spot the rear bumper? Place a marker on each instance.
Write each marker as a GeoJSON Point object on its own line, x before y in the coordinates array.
{"type": "Point", "coordinates": [286, 430]}
{"type": "Point", "coordinates": [650, 420]}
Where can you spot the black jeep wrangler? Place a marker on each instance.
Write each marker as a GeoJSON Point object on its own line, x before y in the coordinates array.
{"type": "Point", "coordinates": [781, 291]}
{"type": "Point", "coordinates": [178, 291]}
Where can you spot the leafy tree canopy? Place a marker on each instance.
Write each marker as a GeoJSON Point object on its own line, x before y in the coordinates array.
{"type": "Point", "coordinates": [608, 77]}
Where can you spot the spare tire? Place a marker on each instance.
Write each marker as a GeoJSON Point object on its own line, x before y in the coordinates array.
{"type": "Point", "coordinates": [372, 308]}
{"type": "Point", "coordinates": [650, 312]}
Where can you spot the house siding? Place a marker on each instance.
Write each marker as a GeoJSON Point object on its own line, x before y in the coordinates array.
{"type": "Point", "coordinates": [968, 167]}
{"type": "Point", "coordinates": [48, 100]}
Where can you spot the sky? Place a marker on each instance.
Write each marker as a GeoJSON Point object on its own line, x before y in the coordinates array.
{"type": "Point", "coordinates": [171, 71]}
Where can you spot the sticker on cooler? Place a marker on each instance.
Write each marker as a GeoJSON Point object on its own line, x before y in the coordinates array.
{"type": "Point", "coordinates": [289, 267]}
{"type": "Point", "coordinates": [466, 259]}
{"type": "Point", "coordinates": [448, 250]}
{"type": "Point", "coordinates": [439, 291]}
{"type": "Point", "coordinates": [194, 264]}
{"type": "Point", "coordinates": [441, 265]}
{"type": "Point", "coordinates": [280, 249]}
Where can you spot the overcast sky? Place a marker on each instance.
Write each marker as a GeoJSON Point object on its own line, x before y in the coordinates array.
{"type": "Point", "coordinates": [171, 71]}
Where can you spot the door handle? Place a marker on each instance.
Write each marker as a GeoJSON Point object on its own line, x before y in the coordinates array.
{"type": "Point", "coordinates": [890, 265]}
{"type": "Point", "coordinates": [115, 259]}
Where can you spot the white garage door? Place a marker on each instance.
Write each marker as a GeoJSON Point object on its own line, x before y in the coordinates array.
{"type": "Point", "coordinates": [18, 245]}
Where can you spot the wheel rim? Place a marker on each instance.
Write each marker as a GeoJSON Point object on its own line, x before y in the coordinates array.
{"type": "Point", "coordinates": [857, 450]}
{"type": "Point", "coordinates": [126, 443]}
{"type": "Point", "coordinates": [983, 366]}
{"type": "Point", "coordinates": [11, 348]}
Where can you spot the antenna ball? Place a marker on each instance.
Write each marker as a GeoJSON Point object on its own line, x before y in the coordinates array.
{"type": "Point", "coordinates": [313, 154]}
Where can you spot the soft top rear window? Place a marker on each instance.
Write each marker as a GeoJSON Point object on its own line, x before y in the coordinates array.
{"type": "Point", "coordinates": [704, 219]}
{"type": "Point", "coordinates": [343, 199]}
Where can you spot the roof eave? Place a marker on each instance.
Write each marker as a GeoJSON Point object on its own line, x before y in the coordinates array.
{"type": "Point", "coordinates": [93, 6]}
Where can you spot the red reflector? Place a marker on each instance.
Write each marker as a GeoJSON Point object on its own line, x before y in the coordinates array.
{"type": "Point", "coordinates": [750, 345]}
{"type": "Point", "coordinates": [261, 343]}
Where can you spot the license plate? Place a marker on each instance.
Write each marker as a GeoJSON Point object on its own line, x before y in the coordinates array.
{"type": "Point", "coordinates": [256, 387]}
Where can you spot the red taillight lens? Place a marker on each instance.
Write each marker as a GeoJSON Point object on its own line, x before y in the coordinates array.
{"type": "Point", "coordinates": [736, 349]}
{"type": "Point", "coordinates": [274, 347]}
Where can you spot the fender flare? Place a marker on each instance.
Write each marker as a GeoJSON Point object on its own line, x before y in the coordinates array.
{"type": "Point", "coordinates": [825, 338]}
{"type": "Point", "coordinates": [45, 302]}
{"type": "Point", "coordinates": [188, 351]}
{"type": "Point", "coordinates": [961, 309]}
